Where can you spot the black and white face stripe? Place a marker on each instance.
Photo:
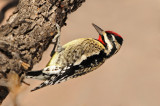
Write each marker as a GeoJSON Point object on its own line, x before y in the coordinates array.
{"type": "Point", "coordinates": [107, 41]}
{"type": "Point", "coordinates": [113, 43]}
{"type": "Point", "coordinates": [116, 42]}
{"type": "Point", "coordinates": [119, 40]}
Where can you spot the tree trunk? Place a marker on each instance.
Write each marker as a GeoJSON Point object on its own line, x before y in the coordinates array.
{"type": "Point", "coordinates": [27, 34]}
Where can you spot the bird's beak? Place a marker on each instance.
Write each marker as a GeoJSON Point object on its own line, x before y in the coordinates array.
{"type": "Point", "coordinates": [99, 30]}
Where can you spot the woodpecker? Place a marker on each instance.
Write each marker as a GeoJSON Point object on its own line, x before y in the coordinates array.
{"type": "Point", "coordinates": [78, 57]}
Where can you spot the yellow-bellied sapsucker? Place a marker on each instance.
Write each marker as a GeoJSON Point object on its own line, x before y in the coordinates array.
{"type": "Point", "coordinates": [78, 57]}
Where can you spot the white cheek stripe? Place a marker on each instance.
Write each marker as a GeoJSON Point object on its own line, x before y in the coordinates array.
{"type": "Point", "coordinates": [109, 45]}
{"type": "Point", "coordinates": [116, 44]}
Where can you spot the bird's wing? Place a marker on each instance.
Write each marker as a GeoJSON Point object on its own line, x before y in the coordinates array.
{"type": "Point", "coordinates": [87, 65]}
{"type": "Point", "coordinates": [75, 57]}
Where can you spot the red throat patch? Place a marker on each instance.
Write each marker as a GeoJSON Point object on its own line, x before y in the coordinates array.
{"type": "Point", "coordinates": [100, 39]}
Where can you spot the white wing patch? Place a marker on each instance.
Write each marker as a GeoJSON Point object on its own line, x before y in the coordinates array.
{"type": "Point", "coordinates": [83, 57]}
{"type": "Point", "coordinates": [52, 70]}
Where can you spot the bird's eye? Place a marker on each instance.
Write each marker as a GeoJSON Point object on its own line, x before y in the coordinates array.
{"type": "Point", "coordinates": [109, 36]}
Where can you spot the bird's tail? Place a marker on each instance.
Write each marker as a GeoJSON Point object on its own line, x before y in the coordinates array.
{"type": "Point", "coordinates": [45, 83]}
{"type": "Point", "coordinates": [53, 80]}
{"type": "Point", "coordinates": [37, 75]}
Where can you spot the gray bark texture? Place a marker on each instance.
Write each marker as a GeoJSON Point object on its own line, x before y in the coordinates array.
{"type": "Point", "coordinates": [27, 34]}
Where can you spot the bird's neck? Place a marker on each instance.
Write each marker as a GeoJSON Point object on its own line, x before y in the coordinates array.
{"type": "Point", "coordinates": [110, 49]}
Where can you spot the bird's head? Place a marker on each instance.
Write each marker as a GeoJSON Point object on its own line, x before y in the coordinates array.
{"type": "Point", "coordinates": [110, 39]}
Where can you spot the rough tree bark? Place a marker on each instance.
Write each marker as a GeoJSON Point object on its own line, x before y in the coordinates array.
{"type": "Point", "coordinates": [27, 34]}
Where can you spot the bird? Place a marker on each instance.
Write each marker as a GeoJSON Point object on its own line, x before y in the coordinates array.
{"type": "Point", "coordinates": [78, 57]}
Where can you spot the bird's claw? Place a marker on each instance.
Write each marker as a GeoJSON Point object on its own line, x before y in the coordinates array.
{"type": "Point", "coordinates": [25, 65]}
{"type": "Point", "coordinates": [56, 41]}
